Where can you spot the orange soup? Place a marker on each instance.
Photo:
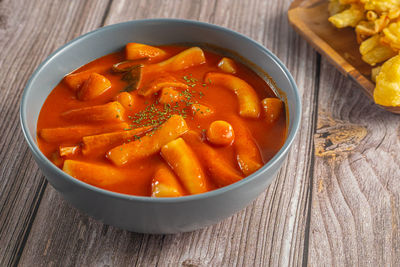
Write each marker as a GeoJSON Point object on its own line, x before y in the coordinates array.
{"type": "Point", "coordinates": [164, 121]}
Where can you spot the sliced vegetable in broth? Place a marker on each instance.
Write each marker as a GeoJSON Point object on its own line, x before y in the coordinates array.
{"type": "Point", "coordinates": [162, 121]}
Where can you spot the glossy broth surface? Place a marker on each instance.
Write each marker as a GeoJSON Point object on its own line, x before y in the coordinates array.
{"type": "Point", "coordinates": [269, 137]}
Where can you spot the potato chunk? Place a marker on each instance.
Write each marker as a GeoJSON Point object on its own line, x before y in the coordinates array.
{"type": "Point", "coordinates": [94, 174]}
{"type": "Point", "coordinates": [335, 6]}
{"type": "Point", "coordinates": [249, 104]}
{"type": "Point", "coordinates": [125, 99]}
{"type": "Point", "coordinates": [110, 112]}
{"type": "Point", "coordinates": [374, 73]}
{"type": "Point", "coordinates": [369, 44]}
{"type": "Point", "coordinates": [273, 108]}
{"type": "Point", "coordinates": [165, 183]}
{"type": "Point", "coordinates": [75, 80]}
{"type": "Point", "coordinates": [391, 36]}
{"type": "Point", "coordinates": [149, 144]}
{"type": "Point", "coordinates": [221, 172]}
{"type": "Point", "coordinates": [373, 51]}
{"type": "Point", "coordinates": [349, 17]}
{"type": "Point", "coordinates": [94, 86]}
{"type": "Point", "coordinates": [138, 51]}
{"type": "Point", "coordinates": [247, 153]}
{"type": "Point", "coordinates": [186, 165]}
{"type": "Point", "coordinates": [379, 54]}
{"type": "Point", "coordinates": [227, 65]}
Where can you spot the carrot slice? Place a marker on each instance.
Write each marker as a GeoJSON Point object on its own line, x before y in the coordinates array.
{"type": "Point", "coordinates": [248, 155]}
{"type": "Point", "coordinates": [112, 111]}
{"type": "Point", "coordinates": [220, 171]}
{"type": "Point", "coordinates": [67, 151]}
{"type": "Point", "coordinates": [75, 133]}
{"type": "Point", "coordinates": [94, 86]}
{"type": "Point", "coordinates": [149, 144]}
{"type": "Point", "coordinates": [94, 174]}
{"type": "Point", "coordinates": [165, 183]}
{"type": "Point", "coordinates": [125, 99]}
{"type": "Point", "coordinates": [101, 142]}
{"type": "Point", "coordinates": [75, 80]}
{"type": "Point", "coordinates": [273, 108]}
{"type": "Point", "coordinates": [185, 165]}
{"type": "Point", "coordinates": [164, 80]}
{"type": "Point", "coordinates": [188, 58]}
{"type": "Point", "coordinates": [249, 104]}
{"type": "Point", "coordinates": [227, 65]}
{"type": "Point", "coordinates": [138, 51]}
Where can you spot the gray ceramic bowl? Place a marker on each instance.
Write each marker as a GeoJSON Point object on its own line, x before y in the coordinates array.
{"type": "Point", "coordinates": [145, 214]}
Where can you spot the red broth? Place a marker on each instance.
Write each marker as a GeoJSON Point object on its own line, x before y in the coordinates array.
{"type": "Point", "coordinates": [136, 177]}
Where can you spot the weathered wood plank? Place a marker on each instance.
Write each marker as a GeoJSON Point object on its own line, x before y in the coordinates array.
{"type": "Point", "coordinates": [29, 32]}
{"type": "Point", "coordinates": [271, 231]}
{"type": "Point", "coordinates": [356, 190]}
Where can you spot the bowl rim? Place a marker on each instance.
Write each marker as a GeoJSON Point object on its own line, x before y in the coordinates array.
{"type": "Point", "coordinates": [281, 153]}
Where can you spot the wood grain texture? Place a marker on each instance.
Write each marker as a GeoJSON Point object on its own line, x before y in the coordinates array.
{"type": "Point", "coordinates": [271, 231]}
{"type": "Point", "coordinates": [27, 37]}
{"type": "Point", "coordinates": [333, 204]}
{"type": "Point", "coordinates": [355, 198]}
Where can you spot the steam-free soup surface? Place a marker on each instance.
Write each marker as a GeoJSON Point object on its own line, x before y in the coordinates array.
{"type": "Point", "coordinates": [168, 121]}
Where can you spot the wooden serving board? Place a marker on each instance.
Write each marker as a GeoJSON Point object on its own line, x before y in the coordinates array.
{"type": "Point", "coordinates": [310, 19]}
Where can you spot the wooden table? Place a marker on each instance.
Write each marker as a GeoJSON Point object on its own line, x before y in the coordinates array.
{"type": "Point", "coordinates": [334, 202]}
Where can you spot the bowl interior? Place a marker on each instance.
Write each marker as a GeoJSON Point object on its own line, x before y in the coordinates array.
{"type": "Point", "coordinates": [154, 32]}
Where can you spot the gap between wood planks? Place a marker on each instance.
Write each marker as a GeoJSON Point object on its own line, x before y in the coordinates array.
{"type": "Point", "coordinates": [311, 168]}
{"type": "Point", "coordinates": [36, 203]}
